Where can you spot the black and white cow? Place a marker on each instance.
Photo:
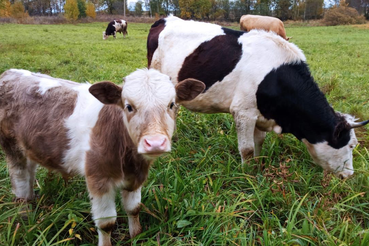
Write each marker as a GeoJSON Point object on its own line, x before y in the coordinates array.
{"type": "Point", "coordinates": [114, 27]}
{"type": "Point", "coordinates": [261, 79]}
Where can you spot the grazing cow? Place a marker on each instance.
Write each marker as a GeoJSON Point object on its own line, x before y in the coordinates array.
{"type": "Point", "coordinates": [114, 27]}
{"type": "Point", "coordinates": [267, 23]}
{"type": "Point", "coordinates": [261, 79]}
{"type": "Point", "coordinates": [107, 133]}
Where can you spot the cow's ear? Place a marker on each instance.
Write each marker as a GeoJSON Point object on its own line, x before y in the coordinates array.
{"type": "Point", "coordinates": [107, 92]}
{"type": "Point", "coordinates": [188, 89]}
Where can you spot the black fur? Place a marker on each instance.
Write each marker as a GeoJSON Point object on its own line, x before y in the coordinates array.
{"type": "Point", "coordinates": [110, 29]}
{"type": "Point", "coordinates": [214, 59]}
{"type": "Point", "coordinates": [290, 96]}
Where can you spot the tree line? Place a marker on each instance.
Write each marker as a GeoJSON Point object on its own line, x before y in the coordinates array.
{"type": "Point", "coordinates": [226, 10]}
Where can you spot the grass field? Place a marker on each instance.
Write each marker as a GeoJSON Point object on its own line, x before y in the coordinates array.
{"type": "Point", "coordinates": [201, 194]}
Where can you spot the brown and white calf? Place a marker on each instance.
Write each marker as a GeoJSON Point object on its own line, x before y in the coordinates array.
{"type": "Point", "coordinates": [262, 80]}
{"type": "Point", "coordinates": [107, 133]}
{"type": "Point", "coordinates": [114, 27]}
{"type": "Point", "coordinates": [267, 23]}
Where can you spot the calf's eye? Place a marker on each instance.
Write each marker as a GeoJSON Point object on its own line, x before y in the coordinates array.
{"type": "Point", "coordinates": [171, 105]}
{"type": "Point", "coordinates": [129, 108]}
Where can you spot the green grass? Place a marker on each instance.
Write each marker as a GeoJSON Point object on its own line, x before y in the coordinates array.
{"type": "Point", "coordinates": [201, 194]}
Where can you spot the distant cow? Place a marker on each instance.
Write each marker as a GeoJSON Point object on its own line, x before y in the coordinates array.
{"type": "Point", "coordinates": [107, 133]}
{"type": "Point", "coordinates": [262, 80]}
{"type": "Point", "coordinates": [267, 23]}
{"type": "Point", "coordinates": [114, 27]}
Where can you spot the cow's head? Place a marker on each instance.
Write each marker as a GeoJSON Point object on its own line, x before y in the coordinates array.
{"type": "Point", "coordinates": [148, 99]}
{"type": "Point", "coordinates": [335, 155]}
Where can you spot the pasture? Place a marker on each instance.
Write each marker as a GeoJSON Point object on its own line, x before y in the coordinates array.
{"type": "Point", "coordinates": [201, 194]}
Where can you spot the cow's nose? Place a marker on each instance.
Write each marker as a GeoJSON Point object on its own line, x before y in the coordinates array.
{"type": "Point", "coordinates": [154, 144]}
{"type": "Point", "coordinates": [345, 174]}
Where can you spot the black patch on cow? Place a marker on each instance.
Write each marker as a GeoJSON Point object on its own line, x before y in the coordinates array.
{"type": "Point", "coordinates": [290, 96]}
{"type": "Point", "coordinates": [213, 59]}
{"type": "Point", "coordinates": [110, 29]}
{"type": "Point", "coordinates": [153, 39]}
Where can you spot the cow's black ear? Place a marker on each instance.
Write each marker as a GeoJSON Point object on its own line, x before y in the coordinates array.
{"type": "Point", "coordinates": [340, 129]}
{"type": "Point", "coordinates": [107, 92]}
{"type": "Point", "coordinates": [189, 89]}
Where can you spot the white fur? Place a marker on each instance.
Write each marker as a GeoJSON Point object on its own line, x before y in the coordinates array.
{"type": "Point", "coordinates": [147, 91]}
{"type": "Point", "coordinates": [46, 84]}
{"type": "Point", "coordinates": [79, 125]}
{"type": "Point", "coordinates": [104, 212]}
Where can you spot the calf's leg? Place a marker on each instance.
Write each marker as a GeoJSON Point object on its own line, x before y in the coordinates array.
{"type": "Point", "coordinates": [104, 213]}
{"type": "Point", "coordinates": [132, 206]}
{"type": "Point", "coordinates": [22, 174]}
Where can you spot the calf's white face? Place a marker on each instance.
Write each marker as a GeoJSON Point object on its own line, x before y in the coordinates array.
{"type": "Point", "coordinates": [149, 109]}
{"type": "Point", "coordinates": [149, 112]}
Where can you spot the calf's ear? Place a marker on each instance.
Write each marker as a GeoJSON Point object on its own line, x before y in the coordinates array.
{"type": "Point", "coordinates": [107, 92]}
{"type": "Point", "coordinates": [189, 89]}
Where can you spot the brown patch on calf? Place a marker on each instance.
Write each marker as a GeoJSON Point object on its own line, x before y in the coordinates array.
{"type": "Point", "coordinates": [188, 89]}
{"type": "Point", "coordinates": [107, 228]}
{"type": "Point", "coordinates": [107, 92]}
{"type": "Point", "coordinates": [113, 155]}
{"type": "Point", "coordinates": [32, 124]}
{"type": "Point", "coordinates": [153, 39]}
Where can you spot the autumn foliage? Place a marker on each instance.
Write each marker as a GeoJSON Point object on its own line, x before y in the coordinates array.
{"type": "Point", "coordinates": [342, 15]}
{"type": "Point", "coordinates": [5, 7]}
{"type": "Point", "coordinates": [71, 10]}
{"type": "Point", "coordinates": [17, 11]}
{"type": "Point", "coordinates": [90, 10]}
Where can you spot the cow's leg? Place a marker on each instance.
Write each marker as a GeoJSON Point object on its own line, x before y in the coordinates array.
{"type": "Point", "coordinates": [132, 206]}
{"type": "Point", "coordinates": [115, 34]}
{"type": "Point", "coordinates": [259, 137]}
{"type": "Point", "coordinates": [245, 126]}
{"type": "Point", "coordinates": [22, 175]}
{"type": "Point", "coordinates": [103, 211]}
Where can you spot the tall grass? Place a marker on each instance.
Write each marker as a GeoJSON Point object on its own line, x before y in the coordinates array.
{"type": "Point", "coordinates": [200, 194]}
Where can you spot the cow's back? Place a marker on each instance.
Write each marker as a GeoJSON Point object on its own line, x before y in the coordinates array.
{"type": "Point", "coordinates": [229, 62]}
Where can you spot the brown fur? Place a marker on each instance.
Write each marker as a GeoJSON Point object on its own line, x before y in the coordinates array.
{"type": "Point", "coordinates": [28, 129]}
{"type": "Point", "coordinates": [113, 155]}
{"type": "Point", "coordinates": [109, 227]}
{"type": "Point", "coordinates": [267, 23]}
{"type": "Point", "coordinates": [154, 39]}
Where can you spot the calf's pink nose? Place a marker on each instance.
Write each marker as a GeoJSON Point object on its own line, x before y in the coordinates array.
{"type": "Point", "coordinates": [155, 144]}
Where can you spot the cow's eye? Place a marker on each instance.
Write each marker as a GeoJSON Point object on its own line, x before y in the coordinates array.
{"type": "Point", "coordinates": [171, 105]}
{"type": "Point", "coordinates": [129, 108]}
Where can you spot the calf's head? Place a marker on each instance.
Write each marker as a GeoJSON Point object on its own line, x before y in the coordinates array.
{"type": "Point", "coordinates": [335, 155]}
{"type": "Point", "coordinates": [148, 100]}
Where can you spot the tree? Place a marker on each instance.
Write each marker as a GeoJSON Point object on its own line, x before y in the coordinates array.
{"type": "Point", "coordinates": [185, 7]}
{"type": "Point", "coordinates": [314, 9]}
{"type": "Point", "coordinates": [81, 8]}
{"type": "Point", "coordinates": [283, 9]}
{"type": "Point", "coordinates": [17, 11]}
{"type": "Point", "coordinates": [5, 7]}
{"type": "Point", "coordinates": [138, 8]}
{"type": "Point", "coordinates": [90, 10]}
{"type": "Point", "coordinates": [71, 10]}
{"type": "Point", "coordinates": [343, 15]}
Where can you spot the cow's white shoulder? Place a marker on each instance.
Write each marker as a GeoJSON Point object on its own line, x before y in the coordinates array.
{"type": "Point", "coordinates": [260, 41]}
